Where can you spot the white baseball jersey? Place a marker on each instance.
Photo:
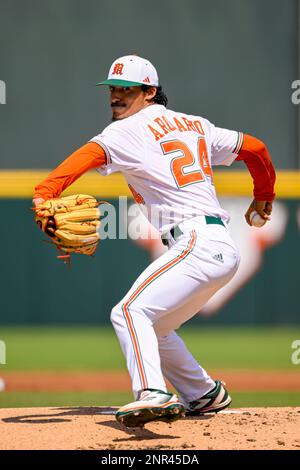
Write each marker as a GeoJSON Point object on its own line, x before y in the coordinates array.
{"type": "Point", "coordinates": [166, 158]}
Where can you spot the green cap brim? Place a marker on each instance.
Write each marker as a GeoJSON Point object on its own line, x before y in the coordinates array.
{"type": "Point", "coordinates": [123, 83]}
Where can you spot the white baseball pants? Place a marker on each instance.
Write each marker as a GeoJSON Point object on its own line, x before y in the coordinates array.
{"type": "Point", "coordinates": [169, 292]}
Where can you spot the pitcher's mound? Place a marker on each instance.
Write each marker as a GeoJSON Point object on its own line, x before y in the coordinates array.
{"type": "Point", "coordinates": [96, 428]}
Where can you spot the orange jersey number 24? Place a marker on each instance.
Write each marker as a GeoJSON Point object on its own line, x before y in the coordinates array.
{"type": "Point", "coordinates": [180, 165]}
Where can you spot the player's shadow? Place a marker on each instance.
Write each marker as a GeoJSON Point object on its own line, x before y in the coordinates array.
{"type": "Point", "coordinates": [135, 434]}
{"type": "Point", "coordinates": [141, 434]}
{"type": "Point", "coordinates": [63, 416]}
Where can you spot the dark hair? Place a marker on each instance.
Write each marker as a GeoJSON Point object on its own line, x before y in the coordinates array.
{"type": "Point", "coordinates": [160, 97]}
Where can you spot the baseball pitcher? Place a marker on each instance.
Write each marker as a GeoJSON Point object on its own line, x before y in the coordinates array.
{"type": "Point", "coordinates": [167, 159]}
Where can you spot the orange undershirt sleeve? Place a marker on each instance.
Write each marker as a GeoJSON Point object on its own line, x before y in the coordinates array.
{"type": "Point", "coordinates": [257, 158]}
{"type": "Point", "coordinates": [89, 156]}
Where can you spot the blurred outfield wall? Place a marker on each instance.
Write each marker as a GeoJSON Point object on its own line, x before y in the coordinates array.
{"type": "Point", "coordinates": [38, 288]}
{"type": "Point", "coordinates": [231, 61]}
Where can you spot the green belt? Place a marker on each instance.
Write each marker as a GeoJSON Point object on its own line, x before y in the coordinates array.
{"type": "Point", "coordinates": [214, 220]}
{"type": "Point", "coordinates": [176, 231]}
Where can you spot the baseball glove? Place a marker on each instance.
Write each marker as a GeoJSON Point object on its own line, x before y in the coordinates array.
{"type": "Point", "coordinates": [72, 223]}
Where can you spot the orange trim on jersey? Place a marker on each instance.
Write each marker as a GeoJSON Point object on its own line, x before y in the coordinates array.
{"type": "Point", "coordinates": [146, 283]}
{"type": "Point", "coordinates": [90, 155]}
{"type": "Point", "coordinates": [239, 143]}
{"type": "Point", "coordinates": [107, 154]}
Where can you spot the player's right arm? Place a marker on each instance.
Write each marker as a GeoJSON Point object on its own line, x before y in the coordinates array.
{"type": "Point", "coordinates": [255, 155]}
{"type": "Point", "coordinates": [228, 146]}
{"type": "Point", "coordinates": [90, 155]}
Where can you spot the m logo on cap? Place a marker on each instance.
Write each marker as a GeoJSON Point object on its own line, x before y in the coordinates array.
{"type": "Point", "coordinates": [118, 69]}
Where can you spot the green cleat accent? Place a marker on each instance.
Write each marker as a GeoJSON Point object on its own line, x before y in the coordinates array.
{"type": "Point", "coordinates": [213, 402]}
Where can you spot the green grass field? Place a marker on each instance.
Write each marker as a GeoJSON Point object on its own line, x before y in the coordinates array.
{"type": "Point", "coordinates": [34, 399]}
{"type": "Point", "coordinates": [96, 349]}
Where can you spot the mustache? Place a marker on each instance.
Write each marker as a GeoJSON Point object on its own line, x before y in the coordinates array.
{"type": "Point", "coordinates": [117, 103]}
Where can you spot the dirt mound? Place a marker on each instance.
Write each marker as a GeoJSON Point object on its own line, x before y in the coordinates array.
{"type": "Point", "coordinates": [95, 428]}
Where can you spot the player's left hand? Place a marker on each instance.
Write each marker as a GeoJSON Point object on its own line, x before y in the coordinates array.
{"type": "Point", "coordinates": [37, 201]}
{"type": "Point", "coordinates": [263, 208]}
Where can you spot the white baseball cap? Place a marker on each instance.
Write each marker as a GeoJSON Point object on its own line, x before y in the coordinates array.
{"type": "Point", "coordinates": [131, 70]}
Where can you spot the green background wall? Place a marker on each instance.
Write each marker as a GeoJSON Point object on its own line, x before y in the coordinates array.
{"type": "Point", "coordinates": [232, 61]}
{"type": "Point", "coordinates": [38, 288]}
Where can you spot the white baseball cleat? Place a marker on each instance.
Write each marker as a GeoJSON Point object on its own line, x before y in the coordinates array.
{"type": "Point", "coordinates": [152, 405]}
{"type": "Point", "coordinates": [212, 402]}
